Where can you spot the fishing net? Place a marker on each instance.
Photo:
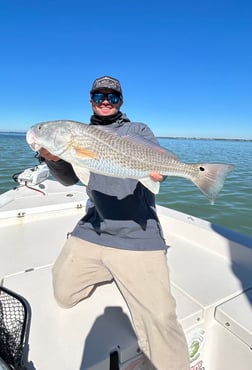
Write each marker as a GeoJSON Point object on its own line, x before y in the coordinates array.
{"type": "Point", "coordinates": [13, 321]}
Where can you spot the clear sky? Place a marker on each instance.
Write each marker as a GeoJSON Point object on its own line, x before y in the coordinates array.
{"type": "Point", "coordinates": [185, 66]}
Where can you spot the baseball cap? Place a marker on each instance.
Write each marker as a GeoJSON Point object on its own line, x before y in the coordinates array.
{"type": "Point", "coordinates": [106, 82]}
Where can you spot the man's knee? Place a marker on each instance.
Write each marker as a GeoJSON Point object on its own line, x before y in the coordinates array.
{"type": "Point", "coordinates": [62, 295]}
{"type": "Point", "coordinates": [62, 292]}
{"type": "Point", "coordinates": [67, 295]}
{"type": "Point", "coordinates": [63, 300]}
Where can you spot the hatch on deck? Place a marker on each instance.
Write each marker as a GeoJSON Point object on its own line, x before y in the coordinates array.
{"type": "Point", "coordinates": [236, 316]}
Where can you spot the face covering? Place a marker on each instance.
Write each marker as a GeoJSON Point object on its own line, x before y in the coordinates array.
{"type": "Point", "coordinates": [105, 120]}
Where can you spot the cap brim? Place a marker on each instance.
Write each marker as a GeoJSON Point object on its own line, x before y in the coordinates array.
{"type": "Point", "coordinates": [105, 88]}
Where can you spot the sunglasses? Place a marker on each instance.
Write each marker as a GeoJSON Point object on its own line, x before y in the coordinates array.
{"type": "Point", "coordinates": [110, 97]}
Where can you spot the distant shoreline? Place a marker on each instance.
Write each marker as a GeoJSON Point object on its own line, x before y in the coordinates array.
{"type": "Point", "coordinates": [200, 138]}
{"type": "Point", "coordinates": [158, 137]}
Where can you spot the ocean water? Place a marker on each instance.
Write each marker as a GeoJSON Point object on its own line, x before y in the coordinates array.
{"type": "Point", "coordinates": [232, 209]}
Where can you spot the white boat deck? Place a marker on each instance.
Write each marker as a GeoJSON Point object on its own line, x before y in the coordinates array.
{"type": "Point", "coordinates": [211, 281]}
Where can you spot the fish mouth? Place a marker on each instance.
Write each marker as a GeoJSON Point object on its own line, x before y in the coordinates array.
{"type": "Point", "coordinates": [31, 140]}
{"type": "Point", "coordinates": [35, 146]}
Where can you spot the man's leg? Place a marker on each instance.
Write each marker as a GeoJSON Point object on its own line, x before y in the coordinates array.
{"type": "Point", "coordinates": [143, 279]}
{"type": "Point", "coordinates": [77, 270]}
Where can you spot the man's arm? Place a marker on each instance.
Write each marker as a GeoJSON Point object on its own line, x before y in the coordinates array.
{"type": "Point", "coordinates": [61, 170]}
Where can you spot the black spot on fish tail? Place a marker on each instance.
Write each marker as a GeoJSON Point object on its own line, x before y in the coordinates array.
{"type": "Point", "coordinates": [210, 178]}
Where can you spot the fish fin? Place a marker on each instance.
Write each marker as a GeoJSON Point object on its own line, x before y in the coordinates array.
{"type": "Point", "coordinates": [142, 141]}
{"type": "Point", "coordinates": [108, 129]}
{"type": "Point", "coordinates": [138, 139]}
{"type": "Point", "coordinates": [84, 153]}
{"type": "Point", "coordinates": [82, 173]}
{"type": "Point", "coordinates": [210, 178]}
{"type": "Point", "coordinates": [153, 186]}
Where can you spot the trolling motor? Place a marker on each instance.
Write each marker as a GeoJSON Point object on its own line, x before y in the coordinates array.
{"type": "Point", "coordinates": [32, 176]}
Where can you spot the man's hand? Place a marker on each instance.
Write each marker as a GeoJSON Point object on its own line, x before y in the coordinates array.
{"type": "Point", "coordinates": [156, 176]}
{"type": "Point", "coordinates": [47, 155]}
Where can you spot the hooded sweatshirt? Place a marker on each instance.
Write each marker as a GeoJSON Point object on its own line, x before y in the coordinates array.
{"type": "Point", "coordinates": [120, 213]}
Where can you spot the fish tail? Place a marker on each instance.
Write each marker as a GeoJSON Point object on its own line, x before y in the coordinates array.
{"type": "Point", "coordinates": [210, 178]}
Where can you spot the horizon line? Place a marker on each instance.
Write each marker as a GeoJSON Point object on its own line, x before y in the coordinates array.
{"type": "Point", "coordinates": [161, 137]}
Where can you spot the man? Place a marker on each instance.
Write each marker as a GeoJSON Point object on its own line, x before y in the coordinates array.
{"type": "Point", "coordinates": [120, 239]}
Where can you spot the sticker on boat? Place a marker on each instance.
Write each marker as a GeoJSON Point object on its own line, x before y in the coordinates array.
{"type": "Point", "coordinates": [196, 339]}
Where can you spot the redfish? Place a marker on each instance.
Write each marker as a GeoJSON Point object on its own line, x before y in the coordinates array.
{"type": "Point", "coordinates": [100, 150]}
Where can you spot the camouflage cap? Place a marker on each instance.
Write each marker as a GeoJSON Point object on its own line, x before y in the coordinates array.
{"type": "Point", "coordinates": [106, 82]}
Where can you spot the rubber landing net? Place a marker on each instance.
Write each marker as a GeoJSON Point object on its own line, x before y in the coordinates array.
{"type": "Point", "coordinates": [13, 323]}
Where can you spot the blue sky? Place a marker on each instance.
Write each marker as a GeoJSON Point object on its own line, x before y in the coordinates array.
{"type": "Point", "coordinates": [185, 66]}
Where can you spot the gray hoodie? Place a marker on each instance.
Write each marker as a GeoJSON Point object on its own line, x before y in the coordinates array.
{"type": "Point", "coordinates": [121, 213]}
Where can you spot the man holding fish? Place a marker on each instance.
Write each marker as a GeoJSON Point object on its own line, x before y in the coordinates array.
{"type": "Point", "coordinates": [120, 239]}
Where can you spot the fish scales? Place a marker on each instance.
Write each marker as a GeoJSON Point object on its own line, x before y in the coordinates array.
{"type": "Point", "coordinates": [125, 153]}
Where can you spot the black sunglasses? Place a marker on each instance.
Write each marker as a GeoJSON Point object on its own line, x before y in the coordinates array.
{"type": "Point", "coordinates": [112, 98]}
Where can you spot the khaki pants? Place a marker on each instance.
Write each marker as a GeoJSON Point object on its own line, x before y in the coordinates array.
{"type": "Point", "coordinates": [143, 279]}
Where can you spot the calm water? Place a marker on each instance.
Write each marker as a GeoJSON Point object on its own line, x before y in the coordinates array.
{"type": "Point", "coordinates": [232, 208]}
